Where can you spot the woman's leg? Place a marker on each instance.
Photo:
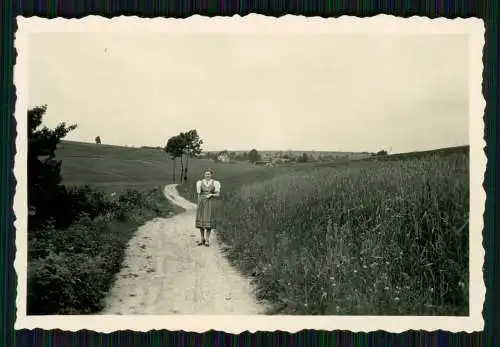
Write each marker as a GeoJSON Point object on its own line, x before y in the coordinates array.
{"type": "Point", "coordinates": [208, 236]}
{"type": "Point", "coordinates": [202, 234]}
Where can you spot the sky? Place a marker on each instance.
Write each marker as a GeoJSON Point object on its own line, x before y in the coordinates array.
{"type": "Point", "coordinates": [269, 91]}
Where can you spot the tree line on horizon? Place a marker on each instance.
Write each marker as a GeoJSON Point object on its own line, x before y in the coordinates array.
{"type": "Point", "coordinates": [189, 145]}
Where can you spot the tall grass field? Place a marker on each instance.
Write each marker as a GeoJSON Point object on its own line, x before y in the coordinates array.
{"type": "Point", "coordinates": [376, 237]}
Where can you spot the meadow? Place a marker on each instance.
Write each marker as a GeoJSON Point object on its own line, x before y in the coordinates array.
{"type": "Point", "coordinates": [116, 169]}
{"type": "Point", "coordinates": [380, 236]}
{"type": "Point", "coordinates": [384, 236]}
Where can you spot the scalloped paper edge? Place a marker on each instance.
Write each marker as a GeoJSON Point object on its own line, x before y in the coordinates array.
{"type": "Point", "coordinates": [473, 27]}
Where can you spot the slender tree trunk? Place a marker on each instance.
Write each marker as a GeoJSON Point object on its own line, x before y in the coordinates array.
{"type": "Point", "coordinates": [182, 168]}
{"type": "Point", "coordinates": [187, 166]}
{"type": "Point", "coordinates": [174, 161]}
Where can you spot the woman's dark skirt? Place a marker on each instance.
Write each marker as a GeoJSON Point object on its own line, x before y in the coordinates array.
{"type": "Point", "coordinates": [205, 214]}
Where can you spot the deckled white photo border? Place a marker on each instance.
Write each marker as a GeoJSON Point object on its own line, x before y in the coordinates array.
{"type": "Point", "coordinates": [257, 23]}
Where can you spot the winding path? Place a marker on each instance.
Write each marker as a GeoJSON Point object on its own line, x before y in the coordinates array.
{"type": "Point", "coordinates": [165, 272]}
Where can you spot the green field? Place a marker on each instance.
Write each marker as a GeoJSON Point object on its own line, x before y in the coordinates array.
{"type": "Point", "coordinates": [115, 169]}
{"type": "Point", "coordinates": [385, 235]}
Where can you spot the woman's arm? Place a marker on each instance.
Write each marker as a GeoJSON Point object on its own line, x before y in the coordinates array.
{"type": "Point", "coordinates": [217, 189]}
{"type": "Point", "coordinates": [198, 188]}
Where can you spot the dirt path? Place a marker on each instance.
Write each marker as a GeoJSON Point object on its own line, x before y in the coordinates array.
{"type": "Point", "coordinates": [165, 272]}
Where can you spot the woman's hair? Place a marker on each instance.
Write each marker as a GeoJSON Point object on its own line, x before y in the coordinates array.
{"type": "Point", "coordinates": [208, 170]}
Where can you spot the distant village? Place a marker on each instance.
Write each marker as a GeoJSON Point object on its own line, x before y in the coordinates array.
{"type": "Point", "coordinates": [271, 158]}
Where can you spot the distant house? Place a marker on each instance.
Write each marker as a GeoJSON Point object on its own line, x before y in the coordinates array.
{"type": "Point", "coordinates": [280, 161]}
{"type": "Point", "coordinates": [223, 157]}
{"type": "Point", "coordinates": [263, 162]}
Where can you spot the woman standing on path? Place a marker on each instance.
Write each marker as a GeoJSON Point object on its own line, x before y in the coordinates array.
{"type": "Point", "coordinates": [207, 188]}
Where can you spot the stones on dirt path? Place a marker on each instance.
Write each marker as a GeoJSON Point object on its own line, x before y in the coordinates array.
{"type": "Point", "coordinates": [130, 275]}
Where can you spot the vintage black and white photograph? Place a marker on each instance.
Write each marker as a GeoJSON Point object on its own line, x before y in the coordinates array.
{"type": "Point", "coordinates": [234, 170]}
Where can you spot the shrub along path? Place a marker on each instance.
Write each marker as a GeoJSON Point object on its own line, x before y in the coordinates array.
{"type": "Point", "coordinates": [165, 272]}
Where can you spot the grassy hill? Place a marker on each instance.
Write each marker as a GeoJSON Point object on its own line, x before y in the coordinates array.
{"type": "Point", "coordinates": [115, 168]}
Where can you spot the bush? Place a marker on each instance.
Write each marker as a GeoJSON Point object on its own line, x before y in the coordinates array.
{"type": "Point", "coordinates": [44, 171]}
{"type": "Point", "coordinates": [67, 283]}
{"type": "Point", "coordinates": [367, 238]}
{"type": "Point", "coordinates": [75, 202]}
{"type": "Point", "coordinates": [70, 271]}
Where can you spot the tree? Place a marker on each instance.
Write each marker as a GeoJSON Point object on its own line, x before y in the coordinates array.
{"type": "Point", "coordinates": [174, 149]}
{"type": "Point", "coordinates": [192, 146]}
{"type": "Point", "coordinates": [188, 144]}
{"type": "Point", "coordinates": [303, 158]}
{"type": "Point", "coordinates": [253, 156]}
{"type": "Point", "coordinates": [44, 171]}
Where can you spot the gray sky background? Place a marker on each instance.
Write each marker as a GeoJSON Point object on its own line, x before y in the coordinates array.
{"type": "Point", "coordinates": [350, 92]}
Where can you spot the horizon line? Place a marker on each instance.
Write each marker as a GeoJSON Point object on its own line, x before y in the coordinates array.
{"type": "Point", "coordinates": [268, 150]}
